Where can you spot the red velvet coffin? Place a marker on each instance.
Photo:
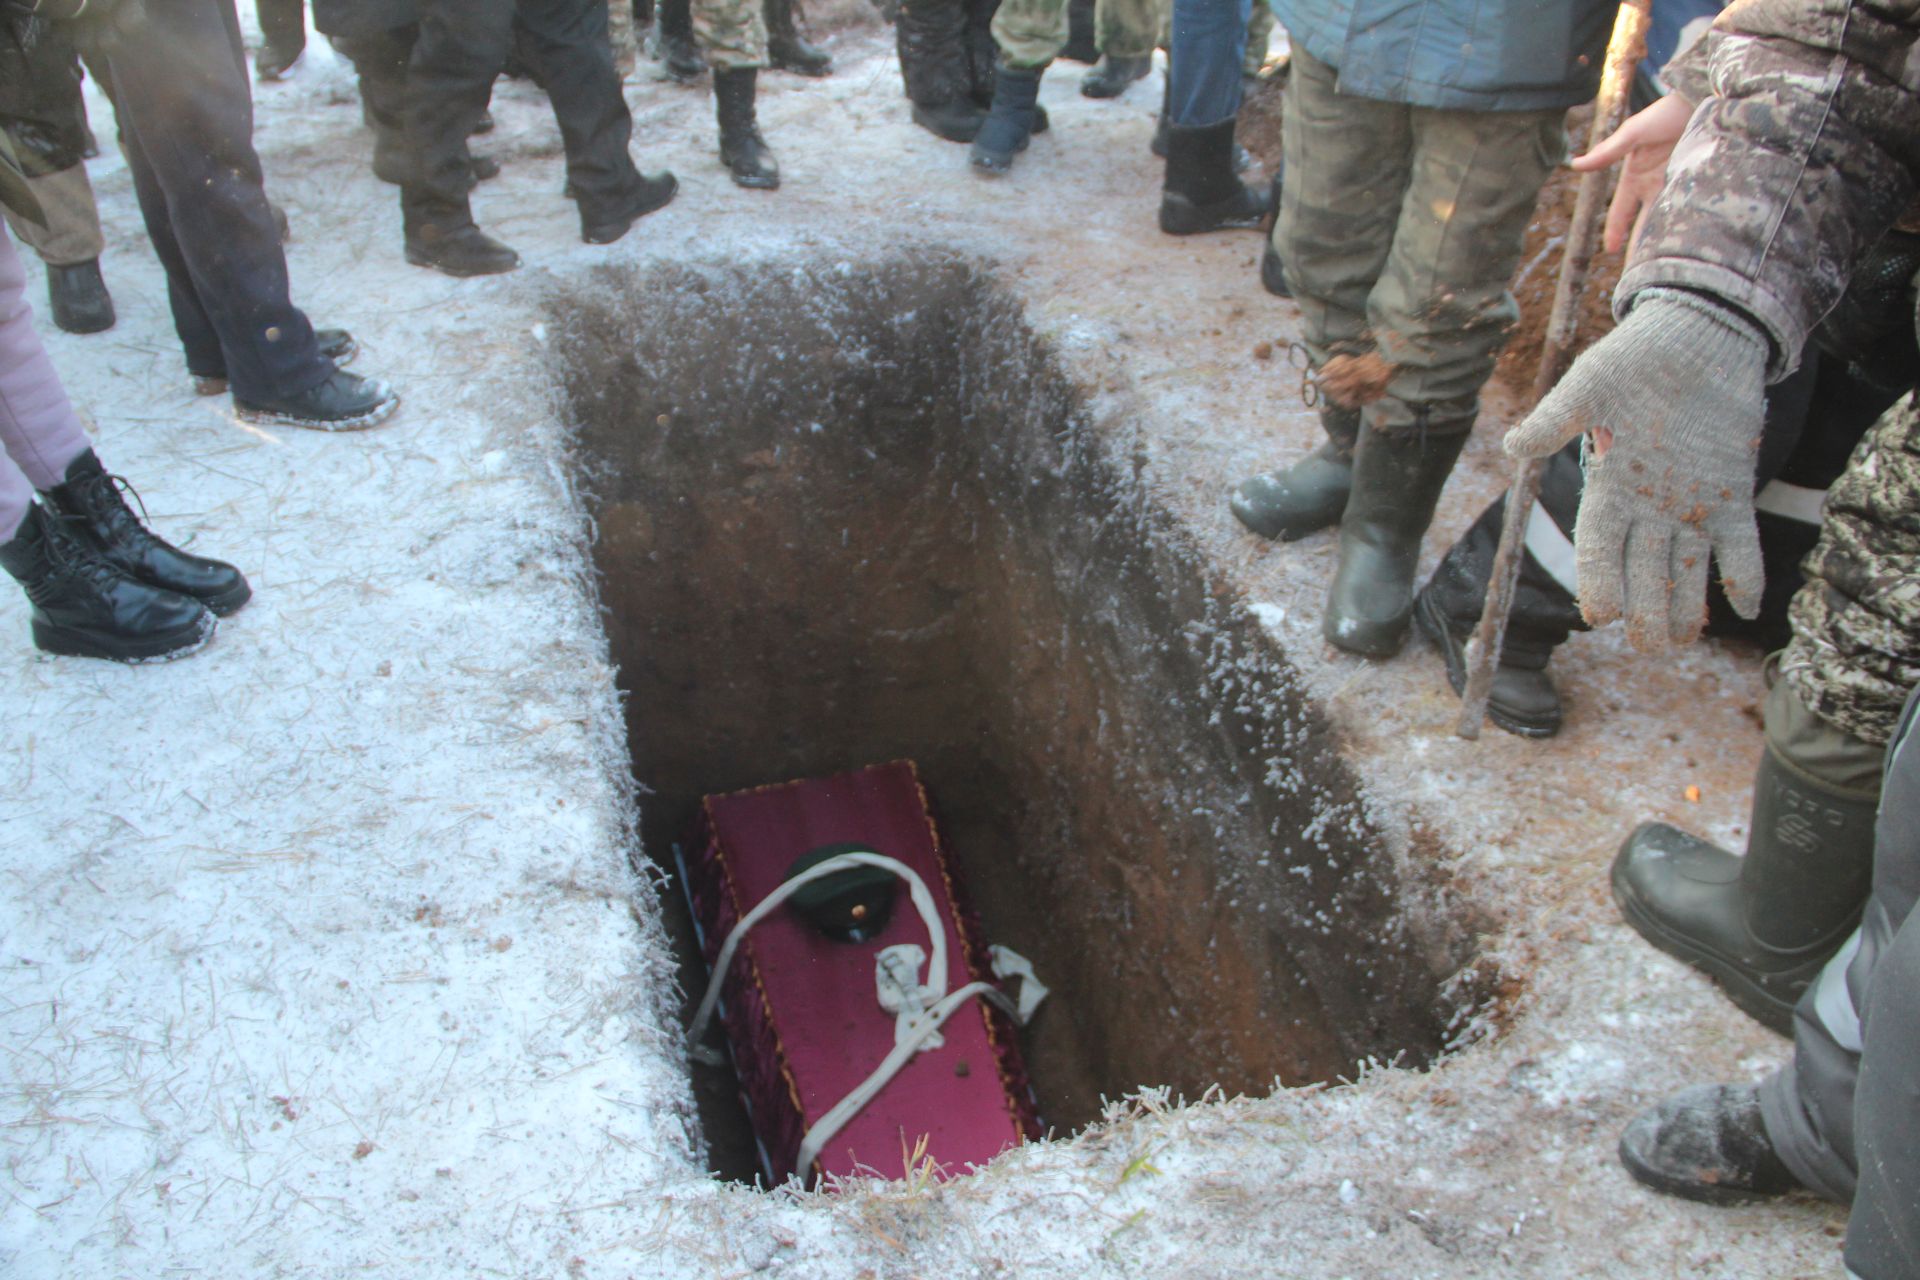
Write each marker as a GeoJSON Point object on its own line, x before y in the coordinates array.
{"type": "Point", "coordinates": [800, 1009]}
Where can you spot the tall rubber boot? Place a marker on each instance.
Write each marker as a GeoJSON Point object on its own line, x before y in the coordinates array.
{"type": "Point", "coordinates": [787, 49]}
{"type": "Point", "coordinates": [1111, 78]}
{"type": "Point", "coordinates": [1201, 192]}
{"type": "Point", "coordinates": [1397, 479]}
{"type": "Point", "coordinates": [1009, 122]}
{"type": "Point", "coordinates": [1762, 926]}
{"type": "Point", "coordinates": [742, 149]}
{"type": "Point", "coordinates": [1311, 493]}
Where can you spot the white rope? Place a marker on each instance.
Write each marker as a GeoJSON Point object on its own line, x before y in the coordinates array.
{"type": "Point", "coordinates": [922, 900]}
{"type": "Point", "coordinates": [847, 1108]}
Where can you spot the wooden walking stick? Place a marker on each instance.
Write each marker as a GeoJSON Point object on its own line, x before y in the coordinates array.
{"type": "Point", "coordinates": [1624, 50]}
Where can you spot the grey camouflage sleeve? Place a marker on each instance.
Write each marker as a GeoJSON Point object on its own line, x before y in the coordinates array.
{"type": "Point", "coordinates": [1802, 158]}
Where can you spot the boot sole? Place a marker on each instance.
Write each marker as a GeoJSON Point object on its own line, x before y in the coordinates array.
{"type": "Point", "coordinates": [68, 642]}
{"type": "Point", "coordinates": [1427, 622]}
{"type": "Point", "coordinates": [228, 603]}
{"type": "Point", "coordinates": [279, 418]}
{"type": "Point", "coordinates": [811, 70]}
{"type": "Point", "coordinates": [1751, 999]}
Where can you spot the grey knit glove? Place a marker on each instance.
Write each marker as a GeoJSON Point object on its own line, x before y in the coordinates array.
{"type": "Point", "coordinates": [1681, 385]}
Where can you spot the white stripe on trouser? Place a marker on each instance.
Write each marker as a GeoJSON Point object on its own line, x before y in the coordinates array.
{"type": "Point", "coordinates": [1833, 1001]}
{"type": "Point", "coordinates": [1551, 550]}
{"type": "Point", "coordinates": [1793, 501]}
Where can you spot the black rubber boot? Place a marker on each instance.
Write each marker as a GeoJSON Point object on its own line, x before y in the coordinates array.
{"type": "Point", "coordinates": [957, 120]}
{"type": "Point", "coordinates": [1709, 1144]}
{"type": "Point", "coordinates": [787, 49]}
{"type": "Point", "coordinates": [1112, 77]}
{"type": "Point", "coordinates": [673, 42]}
{"type": "Point", "coordinates": [1762, 926]}
{"type": "Point", "coordinates": [459, 250]}
{"type": "Point", "coordinates": [1397, 479]}
{"type": "Point", "coordinates": [91, 499]}
{"type": "Point", "coordinates": [1009, 123]}
{"type": "Point", "coordinates": [1522, 699]}
{"type": "Point", "coordinates": [742, 149]}
{"type": "Point", "coordinates": [87, 608]}
{"type": "Point", "coordinates": [344, 402]}
{"type": "Point", "coordinates": [604, 221]}
{"type": "Point", "coordinates": [1201, 193]}
{"type": "Point", "coordinates": [1162, 133]}
{"type": "Point", "coordinates": [1311, 493]}
{"type": "Point", "coordinates": [78, 297]}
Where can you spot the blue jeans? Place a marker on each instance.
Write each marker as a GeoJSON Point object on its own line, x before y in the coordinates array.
{"type": "Point", "coordinates": [1203, 63]}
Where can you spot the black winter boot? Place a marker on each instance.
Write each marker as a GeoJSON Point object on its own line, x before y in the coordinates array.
{"type": "Point", "coordinates": [91, 499]}
{"type": "Point", "coordinates": [459, 250]}
{"type": "Point", "coordinates": [1162, 132]}
{"type": "Point", "coordinates": [1111, 78]}
{"type": "Point", "coordinates": [344, 402]}
{"type": "Point", "coordinates": [1397, 479]}
{"type": "Point", "coordinates": [742, 149]}
{"type": "Point", "coordinates": [956, 120]}
{"type": "Point", "coordinates": [1009, 124]}
{"type": "Point", "coordinates": [1201, 193]}
{"type": "Point", "coordinates": [673, 42]}
{"type": "Point", "coordinates": [1311, 493]}
{"type": "Point", "coordinates": [1762, 926]}
{"type": "Point", "coordinates": [1709, 1144]}
{"type": "Point", "coordinates": [605, 220]}
{"type": "Point", "coordinates": [78, 297]}
{"type": "Point", "coordinates": [87, 608]}
{"type": "Point", "coordinates": [1522, 699]}
{"type": "Point", "coordinates": [787, 49]}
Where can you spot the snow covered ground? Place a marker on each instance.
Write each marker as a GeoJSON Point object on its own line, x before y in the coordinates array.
{"type": "Point", "coordinates": [320, 951]}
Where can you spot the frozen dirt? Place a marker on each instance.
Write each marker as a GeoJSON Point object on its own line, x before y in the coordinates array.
{"type": "Point", "coordinates": [321, 951]}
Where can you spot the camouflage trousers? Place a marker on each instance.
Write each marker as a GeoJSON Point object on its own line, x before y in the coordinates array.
{"type": "Point", "coordinates": [731, 33]}
{"type": "Point", "coordinates": [1855, 652]}
{"type": "Point", "coordinates": [72, 234]}
{"type": "Point", "coordinates": [1135, 28]}
{"type": "Point", "coordinates": [1400, 228]}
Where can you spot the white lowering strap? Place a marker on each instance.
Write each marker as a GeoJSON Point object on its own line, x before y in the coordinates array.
{"type": "Point", "coordinates": [919, 1009]}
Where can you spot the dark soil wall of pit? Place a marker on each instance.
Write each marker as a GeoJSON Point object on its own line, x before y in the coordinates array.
{"type": "Point", "coordinates": [853, 514]}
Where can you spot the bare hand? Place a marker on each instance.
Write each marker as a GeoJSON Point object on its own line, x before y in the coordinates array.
{"type": "Point", "coordinates": [1646, 142]}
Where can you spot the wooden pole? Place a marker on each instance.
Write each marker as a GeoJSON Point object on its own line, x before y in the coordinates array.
{"type": "Point", "coordinates": [1625, 49]}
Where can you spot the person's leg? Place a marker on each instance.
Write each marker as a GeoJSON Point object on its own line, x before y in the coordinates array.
{"type": "Point", "coordinates": [935, 68]}
{"type": "Point", "coordinates": [787, 49]}
{"type": "Point", "coordinates": [733, 37]}
{"type": "Point", "coordinates": [283, 36]}
{"type": "Point", "coordinates": [70, 244]}
{"type": "Point", "coordinates": [41, 433]}
{"type": "Point", "coordinates": [1202, 191]}
{"type": "Point", "coordinates": [461, 47]}
{"type": "Point", "coordinates": [380, 66]}
{"type": "Point", "coordinates": [187, 117]}
{"type": "Point", "coordinates": [1260, 23]}
{"type": "Point", "coordinates": [1439, 315]}
{"type": "Point", "coordinates": [1030, 34]}
{"type": "Point", "coordinates": [1338, 211]}
{"type": "Point", "coordinates": [1203, 62]}
{"type": "Point", "coordinates": [1883, 1232]}
{"type": "Point", "coordinates": [1127, 32]}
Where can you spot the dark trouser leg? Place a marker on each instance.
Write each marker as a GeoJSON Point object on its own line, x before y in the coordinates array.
{"type": "Point", "coordinates": [569, 40]}
{"type": "Point", "coordinates": [283, 24]}
{"type": "Point", "coordinates": [461, 48]}
{"type": "Point", "coordinates": [186, 118]}
{"type": "Point", "coordinates": [1883, 1235]}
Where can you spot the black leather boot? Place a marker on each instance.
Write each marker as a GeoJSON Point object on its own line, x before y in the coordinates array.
{"type": "Point", "coordinates": [1111, 78]}
{"type": "Point", "coordinates": [1397, 479]}
{"type": "Point", "coordinates": [1708, 1143]}
{"type": "Point", "coordinates": [1762, 926]}
{"type": "Point", "coordinates": [673, 42]}
{"type": "Point", "coordinates": [78, 297]}
{"type": "Point", "coordinates": [742, 149]}
{"type": "Point", "coordinates": [1201, 193]}
{"type": "Point", "coordinates": [344, 402]}
{"type": "Point", "coordinates": [605, 221]}
{"type": "Point", "coordinates": [91, 499]}
{"type": "Point", "coordinates": [85, 607]}
{"type": "Point", "coordinates": [1009, 123]}
{"type": "Point", "coordinates": [458, 249]}
{"type": "Point", "coordinates": [1311, 493]}
{"type": "Point", "coordinates": [1163, 130]}
{"type": "Point", "coordinates": [787, 49]}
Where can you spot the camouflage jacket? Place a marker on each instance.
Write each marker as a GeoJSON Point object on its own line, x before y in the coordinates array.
{"type": "Point", "coordinates": [1855, 653]}
{"type": "Point", "coordinates": [1806, 152]}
